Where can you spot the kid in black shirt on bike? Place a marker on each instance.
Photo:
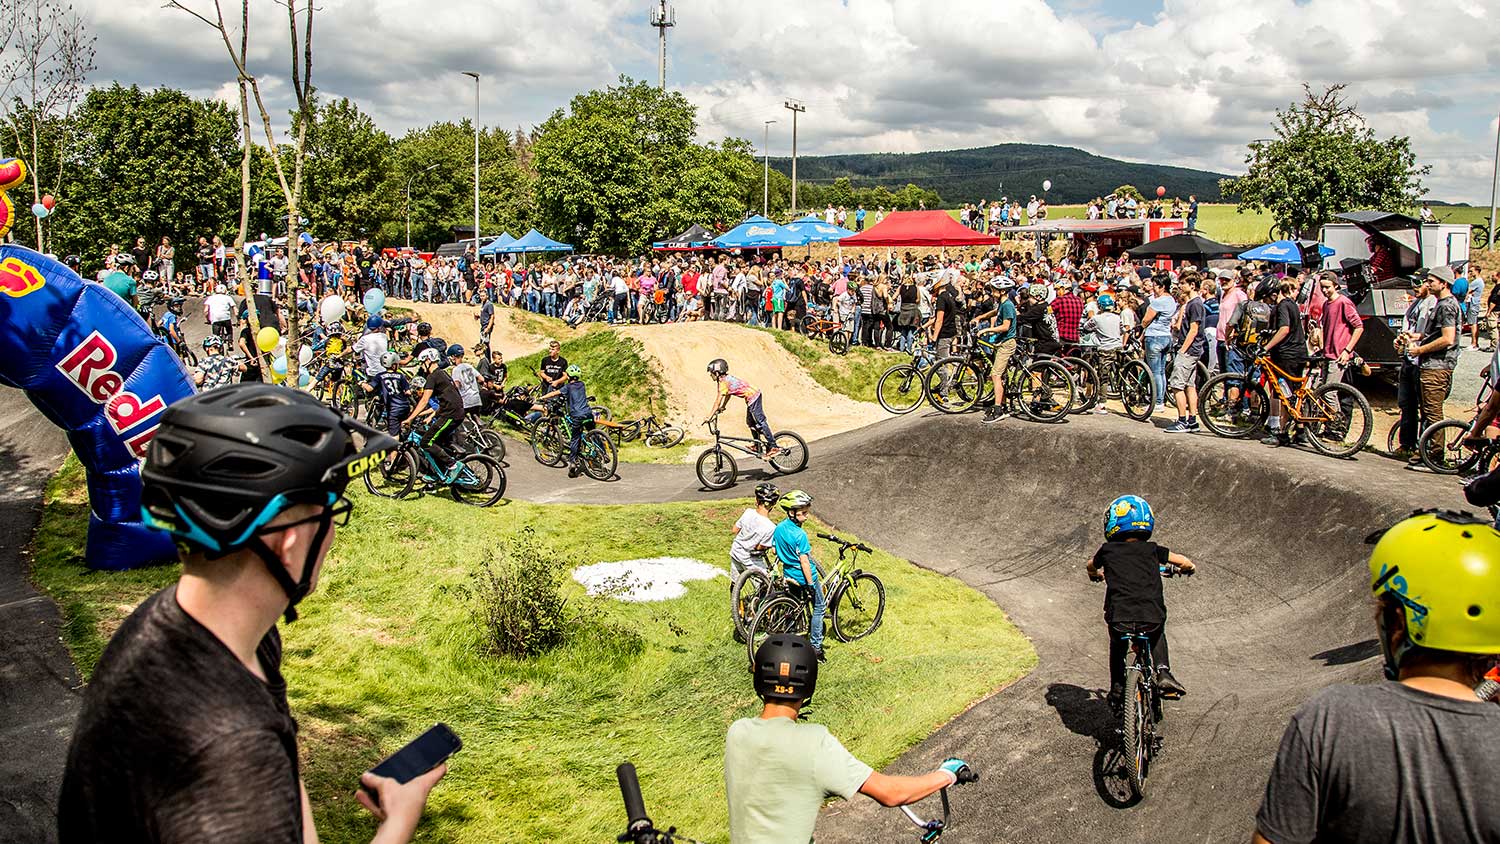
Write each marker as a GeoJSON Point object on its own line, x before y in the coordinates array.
{"type": "Point", "coordinates": [1133, 565]}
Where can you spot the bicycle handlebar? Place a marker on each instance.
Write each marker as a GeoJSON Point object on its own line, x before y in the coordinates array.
{"type": "Point", "coordinates": [635, 807]}
{"type": "Point", "coordinates": [860, 546]}
{"type": "Point", "coordinates": [1172, 570]}
{"type": "Point", "coordinates": [934, 828]}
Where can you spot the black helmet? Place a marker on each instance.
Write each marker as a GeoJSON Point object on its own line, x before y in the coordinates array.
{"type": "Point", "coordinates": [786, 668]}
{"type": "Point", "coordinates": [718, 366]}
{"type": "Point", "coordinates": [767, 494]}
{"type": "Point", "coordinates": [455, 350]}
{"type": "Point", "coordinates": [225, 463]}
{"type": "Point", "coordinates": [1269, 286]}
{"type": "Point", "coordinates": [175, 303]}
{"type": "Point", "coordinates": [73, 262]}
{"type": "Point", "coordinates": [424, 328]}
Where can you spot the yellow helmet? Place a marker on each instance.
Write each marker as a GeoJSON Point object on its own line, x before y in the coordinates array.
{"type": "Point", "coordinates": [1443, 568]}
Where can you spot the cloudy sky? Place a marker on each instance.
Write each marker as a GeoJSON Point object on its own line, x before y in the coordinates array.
{"type": "Point", "coordinates": [1184, 82]}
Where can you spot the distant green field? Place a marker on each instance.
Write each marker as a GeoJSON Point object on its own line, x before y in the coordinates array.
{"type": "Point", "coordinates": [1220, 222]}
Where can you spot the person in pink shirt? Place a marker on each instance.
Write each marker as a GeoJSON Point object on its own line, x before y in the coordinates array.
{"type": "Point", "coordinates": [1341, 327]}
{"type": "Point", "coordinates": [1231, 293]}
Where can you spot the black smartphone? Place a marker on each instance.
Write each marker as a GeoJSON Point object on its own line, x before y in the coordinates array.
{"type": "Point", "coordinates": [424, 753]}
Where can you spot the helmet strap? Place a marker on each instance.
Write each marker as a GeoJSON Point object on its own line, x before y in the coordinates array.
{"type": "Point", "coordinates": [1386, 622]}
{"type": "Point", "coordinates": [295, 588]}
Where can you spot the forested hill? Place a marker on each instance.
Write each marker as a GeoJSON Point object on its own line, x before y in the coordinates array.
{"type": "Point", "coordinates": [1014, 170]}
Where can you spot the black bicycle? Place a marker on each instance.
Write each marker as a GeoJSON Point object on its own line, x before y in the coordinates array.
{"type": "Point", "coordinates": [552, 439]}
{"type": "Point", "coordinates": [1113, 375]}
{"type": "Point", "coordinates": [717, 469]}
{"type": "Point", "coordinates": [900, 388]}
{"type": "Point", "coordinates": [1036, 387]}
{"type": "Point", "coordinates": [640, 830]}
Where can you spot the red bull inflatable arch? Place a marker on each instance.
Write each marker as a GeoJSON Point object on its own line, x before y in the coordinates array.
{"type": "Point", "coordinates": [92, 366]}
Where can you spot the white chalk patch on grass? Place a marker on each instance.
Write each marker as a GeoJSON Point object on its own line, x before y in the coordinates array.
{"type": "Point", "coordinates": [651, 579]}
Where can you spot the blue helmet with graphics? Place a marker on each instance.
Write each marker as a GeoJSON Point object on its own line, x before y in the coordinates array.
{"type": "Point", "coordinates": [1129, 516]}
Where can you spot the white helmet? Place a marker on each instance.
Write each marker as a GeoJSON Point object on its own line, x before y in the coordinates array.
{"type": "Point", "coordinates": [389, 360]}
{"type": "Point", "coordinates": [1002, 282]}
{"type": "Point", "coordinates": [428, 355]}
{"type": "Point", "coordinates": [221, 289]}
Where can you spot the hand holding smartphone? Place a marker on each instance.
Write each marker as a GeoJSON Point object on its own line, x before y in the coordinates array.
{"type": "Point", "coordinates": [424, 753]}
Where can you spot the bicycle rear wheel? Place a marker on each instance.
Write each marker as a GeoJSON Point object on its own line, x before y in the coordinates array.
{"type": "Point", "coordinates": [750, 590]}
{"type": "Point", "coordinates": [782, 614]}
{"type": "Point", "coordinates": [899, 389]}
{"type": "Point", "coordinates": [480, 482]}
{"type": "Point", "coordinates": [597, 456]}
{"type": "Point", "coordinates": [1137, 389]}
{"type": "Point", "coordinates": [1046, 391]}
{"type": "Point", "coordinates": [794, 452]}
{"type": "Point", "coordinates": [1343, 420]}
{"type": "Point", "coordinates": [953, 385]}
{"type": "Point", "coordinates": [492, 443]}
{"type": "Point", "coordinates": [1086, 379]}
{"type": "Point", "coordinates": [394, 476]}
{"type": "Point", "coordinates": [1232, 405]}
{"type": "Point", "coordinates": [664, 437]}
{"type": "Point", "coordinates": [858, 608]}
{"type": "Point", "coordinates": [1441, 447]}
{"type": "Point", "coordinates": [1139, 729]}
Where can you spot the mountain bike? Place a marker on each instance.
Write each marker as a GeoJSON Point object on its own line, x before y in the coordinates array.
{"type": "Point", "coordinates": [900, 388]}
{"type": "Point", "coordinates": [639, 828]}
{"type": "Point", "coordinates": [1119, 377]}
{"type": "Point", "coordinates": [716, 467]}
{"type": "Point", "coordinates": [552, 439]}
{"type": "Point", "coordinates": [752, 587]}
{"type": "Point", "coordinates": [1446, 449]}
{"type": "Point", "coordinates": [1142, 710]}
{"type": "Point", "coordinates": [856, 601]}
{"type": "Point", "coordinates": [338, 390]}
{"type": "Point", "coordinates": [477, 431]}
{"type": "Point", "coordinates": [817, 324]}
{"type": "Point", "coordinates": [1336, 418]}
{"type": "Point", "coordinates": [478, 479]}
{"type": "Point", "coordinates": [649, 430]}
{"type": "Point", "coordinates": [1036, 387]}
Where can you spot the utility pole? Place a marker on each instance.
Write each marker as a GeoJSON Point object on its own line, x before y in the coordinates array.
{"type": "Point", "coordinates": [1494, 188]}
{"type": "Point", "coordinates": [765, 152]}
{"type": "Point", "coordinates": [796, 107]}
{"type": "Point", "coordinates": [476, 160]}
{"type": "Point", "coordinates": [663, 17]}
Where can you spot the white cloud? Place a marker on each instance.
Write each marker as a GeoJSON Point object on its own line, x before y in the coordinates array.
{"type": "Point", "coordinates": [1190, 86]}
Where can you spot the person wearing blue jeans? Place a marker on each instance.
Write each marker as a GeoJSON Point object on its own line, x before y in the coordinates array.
{"type": "Point", "coordinates": [795, 553]}
{"type": "Point", "coordinates": [1157, 323]}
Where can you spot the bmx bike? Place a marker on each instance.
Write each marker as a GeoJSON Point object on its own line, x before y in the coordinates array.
{"type": "Point", "coordinates": [717, 468]}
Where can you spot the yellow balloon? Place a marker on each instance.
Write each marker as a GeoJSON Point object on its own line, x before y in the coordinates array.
{"type": "Point", "coordinates": [267, 339]}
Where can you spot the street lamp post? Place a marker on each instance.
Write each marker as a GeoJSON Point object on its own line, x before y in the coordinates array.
{"type": "Point", "coordinates": [409, 179]}
{"type": "Point", "coordinates": [765, 151]}
{"type": "Point", "coordinates": [476, 159]}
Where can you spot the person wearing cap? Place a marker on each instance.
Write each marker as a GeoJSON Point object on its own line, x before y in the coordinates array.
{"type": "Point", "coordinates": [185, 732]}
{"type": "Point", "coordinates": [809, 763]}
{"type": "Point", "coordinates": [1003, 334]}
{"type": "Point", "coordinates": [1412, 758]}
{"type": "Point", "coordinates": [1436, 349]}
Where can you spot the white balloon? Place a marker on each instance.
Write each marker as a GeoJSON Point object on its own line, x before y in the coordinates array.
{"type": "Point", "coordinates": [1046, 184]}
{"type": "Point", "coordinates": [305, 354]}
{"type": "Point", "coordinates": [332, 309]}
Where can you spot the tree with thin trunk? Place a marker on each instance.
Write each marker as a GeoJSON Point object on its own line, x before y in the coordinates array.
{"type": "Point", "coordinates": [291, 189]}
{"type": "Point", "coordinates": [48, 54]}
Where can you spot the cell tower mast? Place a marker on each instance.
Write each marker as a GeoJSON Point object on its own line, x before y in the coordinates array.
{"type": "Point", "coordinates": [663, 17]}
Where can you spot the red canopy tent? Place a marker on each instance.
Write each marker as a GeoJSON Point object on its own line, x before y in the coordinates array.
{"type": "Point", "coordinates": [919, 228]}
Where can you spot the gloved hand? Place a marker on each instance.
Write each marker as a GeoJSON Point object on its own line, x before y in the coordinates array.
{"type": "Point", "coordinates": [1096, 577]}
{"type": "Point", "coordinates": [958, 769]}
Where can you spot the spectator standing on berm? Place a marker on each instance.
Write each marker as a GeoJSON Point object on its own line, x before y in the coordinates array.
{"type": "Point", "coordinates": [1436, 347]}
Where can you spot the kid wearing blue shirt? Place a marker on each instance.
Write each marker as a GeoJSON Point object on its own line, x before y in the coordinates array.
{"type": "Point", "coordinates": [795, 554]}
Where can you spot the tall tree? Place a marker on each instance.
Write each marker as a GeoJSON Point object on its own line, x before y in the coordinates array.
{"type": "Point", "coordinates": [48, 54]}
{"type": "Point", "coordinates": [1325, 160]}
{"type": "Point", "coordinates": [437, 163]}
{"type": "Point", "coordinates": [348, 157]}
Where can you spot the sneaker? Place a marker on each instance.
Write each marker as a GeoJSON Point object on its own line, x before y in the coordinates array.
{"type": "Point", "coordinates": [1168, 684]}
{"type": "Point", "coordinates": [1116, 697]}
{"type": "Point", "coordinates": [573, 470]}
{"type": "Point", "coordinates": [1414, 460]}
{"type": "Point", "coordinates": [1193, 426]}
{"type": "Point", "coordinates": [1275, 438]}
{"type": "Point", "coordinates": [822, 656]}
{"type": "Point", "coordinates": [991, 414]}
{"type": "Point", "coordinates": [1178, 427]}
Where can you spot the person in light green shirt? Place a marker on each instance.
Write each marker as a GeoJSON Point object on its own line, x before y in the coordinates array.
{"type": "Point", "coordinates": [778, 769]}
{"type": "Point", "coordinates": [121, 285]}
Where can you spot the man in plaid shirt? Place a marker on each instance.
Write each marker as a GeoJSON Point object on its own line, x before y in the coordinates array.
{"type": "Point", "coordinates": [1068, 309]}
{"type": "Point", "coordinates": [216, 369]}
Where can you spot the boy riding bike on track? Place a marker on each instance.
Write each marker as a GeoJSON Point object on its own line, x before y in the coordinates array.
{"type": "Point", "coordinates": [752, 533]}
{"type": "Point", "coordinates": [755, 415]}
{"type": "Point", "coordinates": [778, 769]}
{"type": "Point", "coordinates": [440, 388]}
{"type": "Point", "coordinates": [795, 554]}
{"type": "Point", "coordinates": [1132, 564]}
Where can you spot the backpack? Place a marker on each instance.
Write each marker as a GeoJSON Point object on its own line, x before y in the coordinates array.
{"type": "Point", "coordinates": [1255, 319]}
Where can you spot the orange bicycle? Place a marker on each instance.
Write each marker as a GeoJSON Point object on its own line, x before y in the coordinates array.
{"type": "Point", "coordinates": [1335, 418]}
{"type": "Point", "coordinates": [817, 324]}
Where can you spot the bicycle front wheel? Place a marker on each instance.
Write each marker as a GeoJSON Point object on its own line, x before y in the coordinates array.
{"type": "Point", "coordinates": [598, 456]}
{"type": "Point", "coordinates": [1232, 405]}
{"type": "Point", "coordinates": [492, 444]}
{"type": "Point", "coordinates": [1046, 391]}
{"type": "Point", "coordinates": [664, 437]}
{"type": "Point", "coordinates": [858, 608]}
{"type": "Point", "coordinates": [716, 469]}
{"type": "Point", "coordinates": [480, 482]}
{"type": "Point", "coordinates": [1139, 729]}
{"type": "Point", "coordinates": [1342, 420]}
{"type": "Point", "coordinates": [750, 590]}
{"type": "Point", "coordinates": [838, 342]}
{"type": "Point", "coordinates": [394, 476]}
{"type": "Point", "coordinates": [793, 456]}
{"type": "Point", "coordinates": [899, 389]}
{"type": "Point", "coordinates": [1136, 385]}
{"type": "Point", "coordinates": [782, 614]}
{"type": "Point", "coordinates": [953, 385]}
{"type": "Point", "coordinates": [547, 444]}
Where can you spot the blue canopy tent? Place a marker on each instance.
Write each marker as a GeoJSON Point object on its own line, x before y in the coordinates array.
{"type": "Point", "coordinates": [759, 233]}
{"type": "Point", "coordinates": [535, 241]}
{"type": "Point", "coordinates": [497, 245]}
{"type": "Point", "coordinates": [817, 231]}
{"type": "Point", "coordinates": [1281, 252]}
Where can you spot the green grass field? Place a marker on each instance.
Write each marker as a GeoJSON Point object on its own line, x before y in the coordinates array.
{"type": "Point", "coordinates": [854, 375]}
{"type": "Point", "coordinates": [615, 370]}
{"type": "Point", "coordinates": [1221, 222]}
{"type": "Point", "coordinates": [387, 646]}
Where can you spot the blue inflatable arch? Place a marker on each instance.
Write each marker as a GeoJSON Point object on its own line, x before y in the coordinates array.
{"type": "Point", "coordinates": [89, 362]}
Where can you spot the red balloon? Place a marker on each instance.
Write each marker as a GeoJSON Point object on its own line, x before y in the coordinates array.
{"type": "Point", "coordinates": [1161, 191]}
{"type": "Point", "coordinates": [48, 201]}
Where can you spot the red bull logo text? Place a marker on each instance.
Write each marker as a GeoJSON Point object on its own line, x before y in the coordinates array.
{"type": "Point", "coordinates": [90, 366]}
